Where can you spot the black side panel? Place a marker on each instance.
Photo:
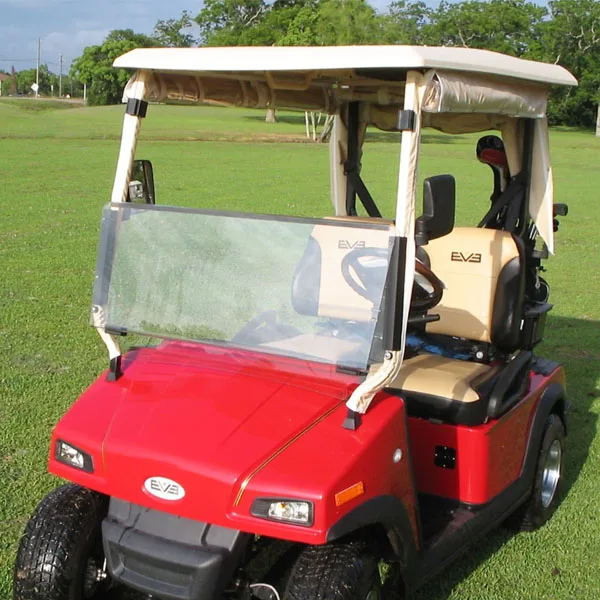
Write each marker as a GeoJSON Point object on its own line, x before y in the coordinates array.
{"type": "Point", "coordinates": [307, 280]}
{"type": "Point", "coordinates": [508, 303]}
{"type": "Point", "coordinates": [391, 513]}
{"type": "Point", "coordinates": [168, 556]}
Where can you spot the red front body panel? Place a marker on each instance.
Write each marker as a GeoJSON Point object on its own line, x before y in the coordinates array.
{"type": "Point", "coordinates": [230, 426]}
{"type": "Point", "coordinates": [489, 457]}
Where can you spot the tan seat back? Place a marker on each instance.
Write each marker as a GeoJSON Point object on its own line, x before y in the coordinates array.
{"type": "Point", "coordinates": [319, 287]}
{"type": "Point", "coordinates": [483, 275]}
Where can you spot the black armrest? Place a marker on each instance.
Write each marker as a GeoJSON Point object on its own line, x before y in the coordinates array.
{"type": "Point", "coordinates": [512, 383]}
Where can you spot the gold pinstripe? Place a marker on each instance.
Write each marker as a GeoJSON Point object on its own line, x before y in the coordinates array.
{"type": "Point", "coordinates": [273, 456]}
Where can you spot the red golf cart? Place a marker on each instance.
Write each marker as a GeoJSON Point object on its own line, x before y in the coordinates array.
{"type": "Point", "coordinates": [338, 406]}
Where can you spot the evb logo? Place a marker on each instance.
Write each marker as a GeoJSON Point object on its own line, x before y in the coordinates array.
{"type": "Point", "coordinates": [346, 245]}
{"type": "Point", "coordinates": [163, 488]}
{"type": "Point", "coordinates": [465, 257]}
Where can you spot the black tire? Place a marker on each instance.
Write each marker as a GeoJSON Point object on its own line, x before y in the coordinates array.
{"type": "Point", "coordinates": [61, 546]}
{"type": "Point", "coordinates": [342, 571]}
{"type": "Point", "coordinates": [544, 498]}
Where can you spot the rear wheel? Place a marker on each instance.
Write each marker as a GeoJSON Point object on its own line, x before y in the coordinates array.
{"type": "Point", "coordinates": [60, 555]}
{"type": "Point", "coordinates": [548, 478]}
{"type": "Point", "coordinates": [341, 571]}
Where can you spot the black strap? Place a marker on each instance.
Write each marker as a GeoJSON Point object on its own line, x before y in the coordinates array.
{"type": "Point", "coordinates": [512, 197]}
{"type": "Point", "coordinates": [360, 188]}
{"type": "Point", "coordinates": [136, 107]}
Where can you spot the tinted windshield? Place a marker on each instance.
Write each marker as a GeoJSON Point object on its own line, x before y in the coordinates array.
{"type": "Point", "coordinates": [311, 289]}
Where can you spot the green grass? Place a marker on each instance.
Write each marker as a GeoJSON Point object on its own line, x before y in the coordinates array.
{"type": "Point", "coordinates": [56, 170]}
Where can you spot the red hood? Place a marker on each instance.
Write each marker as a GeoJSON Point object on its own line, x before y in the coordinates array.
{"type": "Point", "coordinates": [204, 417]}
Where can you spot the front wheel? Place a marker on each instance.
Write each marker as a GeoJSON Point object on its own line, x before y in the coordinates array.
{"type": "Point", "coordinates": [340, 571]}
{"type": "Point", "coordinates": [60, 555]}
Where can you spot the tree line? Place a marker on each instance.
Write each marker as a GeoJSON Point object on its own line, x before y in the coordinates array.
{"type": "Point", "coordinates": [50, 83]}
{"type": "Point", "coordinates": [566, 32]}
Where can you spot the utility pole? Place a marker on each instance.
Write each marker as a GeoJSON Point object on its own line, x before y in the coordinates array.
{"type": "Point", "coordinates": [60, 77]}
{"type": "Point", "coordinates": [37, 70]}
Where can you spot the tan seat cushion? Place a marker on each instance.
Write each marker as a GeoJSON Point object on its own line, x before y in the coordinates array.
{"type": "Point", "coordinates": [440, 376]}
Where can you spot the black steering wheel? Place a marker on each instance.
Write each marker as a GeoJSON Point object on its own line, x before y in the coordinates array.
{"type": "Point", "coordinates": [263, 328]}
{"type": "Point", "coordinates": [427, 289]}
{"type": "Point", "coordinates": [363, 275]}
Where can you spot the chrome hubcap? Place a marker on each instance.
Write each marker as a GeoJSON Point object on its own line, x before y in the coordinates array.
{"type": "Point", "coordinates": [551, 474]}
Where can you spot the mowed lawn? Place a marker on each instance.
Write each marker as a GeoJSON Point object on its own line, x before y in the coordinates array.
{"type": "Point", "coordinates": [56, 169]}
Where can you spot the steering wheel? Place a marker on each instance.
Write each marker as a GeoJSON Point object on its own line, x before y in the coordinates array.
{"type": "Point", "coordinates": [263, 328]}
{"type": "Point", "coordinates": [363, 275]}
{"type": "Point", "coordinates": [427, 289]}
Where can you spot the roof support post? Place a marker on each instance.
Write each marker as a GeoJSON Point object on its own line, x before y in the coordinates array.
{"type": "Point", "coordinates": [405, 228]}
{"type": "Point", "coordinates": [129, 138]}
{"type": "Point", "coordinates": [131, 128]}
{"type": "Point", "coordinates": [338, 152]}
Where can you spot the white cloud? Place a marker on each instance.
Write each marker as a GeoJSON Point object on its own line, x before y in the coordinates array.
{"type": "Point", "coordinates": [70, 45]}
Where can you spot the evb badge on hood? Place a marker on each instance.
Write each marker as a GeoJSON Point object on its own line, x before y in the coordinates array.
{"type": "Point", "coordinates": [163, 488]}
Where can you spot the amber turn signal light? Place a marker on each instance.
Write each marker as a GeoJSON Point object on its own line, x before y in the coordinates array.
{"type": "Point", "coordinates": [358, 489]}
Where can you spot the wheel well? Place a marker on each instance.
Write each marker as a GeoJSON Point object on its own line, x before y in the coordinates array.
{"type": "Point", "coordinates": [388, 546]}
{"type": "Point", "coordinates": [560, 408]}
{"type": "Point", "coordinates": [377, 536]}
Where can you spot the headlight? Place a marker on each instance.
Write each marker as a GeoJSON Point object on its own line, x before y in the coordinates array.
{"type": "Point", "coordinates": [69, 455]}
{"type": "Point", "coordinates": [295, 512]}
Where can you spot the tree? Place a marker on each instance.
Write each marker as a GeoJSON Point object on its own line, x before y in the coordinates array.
{"type": "Point", "coordinates": [508, 26]}
{"type": "Point", "coordinates": [342, 22]}
{"type": "Point", "coordinates": [230, 22]}
{"type": "Point", "coordinates": [27, 77]}
{"type": "Point", "coordinates": [175, 32]}
{"type": "Point", "coordinates": [571, 38]}
{"type": "Point", "coordinates": [94, 66]}
{"type": "Point", "coordinates": [407, 22]}
{"type": "Point", "coordinates": [288, 22]}
{"type": "Point", "coordinates": [301, 29]}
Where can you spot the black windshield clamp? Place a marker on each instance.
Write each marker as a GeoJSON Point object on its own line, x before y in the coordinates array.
{"type": "Point", "coordinates": [136, 107]}
{"type": "Point", "coordinates": [114, 370]}
{"type": "Point", "coordinates": [352, 420]}
{"type": "Point", "coordinates": [116, 330]}
{"type": "Point", "coordinates": [407, 120]}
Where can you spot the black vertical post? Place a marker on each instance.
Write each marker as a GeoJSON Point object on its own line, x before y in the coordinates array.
{"type": "Point", "coordinates": [394, 308]}
{"type": "Point", "coordinates": [352, 160]}
{"type": "Point", "coordinates": [526, 169]}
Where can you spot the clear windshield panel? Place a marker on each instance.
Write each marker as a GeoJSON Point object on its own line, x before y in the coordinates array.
{"type": "Point", "coordinates": [310, 289]}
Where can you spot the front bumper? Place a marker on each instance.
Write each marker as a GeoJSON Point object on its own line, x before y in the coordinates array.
{"type": "Point", "coordinates": [167, 556]}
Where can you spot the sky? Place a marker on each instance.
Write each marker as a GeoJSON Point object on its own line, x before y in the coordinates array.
{"type": "Point", "coordinates": [65, 27]}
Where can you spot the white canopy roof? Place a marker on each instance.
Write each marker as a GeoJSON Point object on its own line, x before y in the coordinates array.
{"type": "Point", "coordinates": [459, 89]}
{"type": "Point", "coordinates": [340, 58]}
